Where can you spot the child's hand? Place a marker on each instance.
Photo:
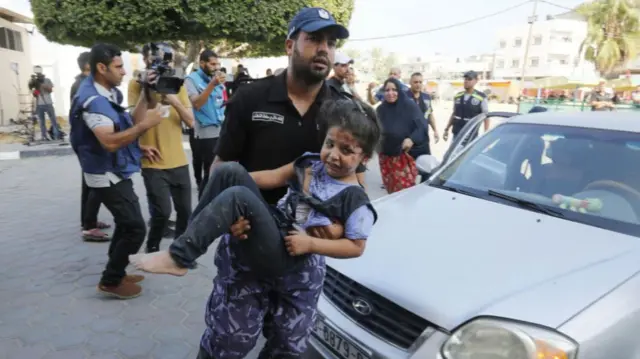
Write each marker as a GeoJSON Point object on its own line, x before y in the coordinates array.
{"type": "Point", "coordinates": [298, 243]}
{"type": "Point", "coordinates": [240, 228]}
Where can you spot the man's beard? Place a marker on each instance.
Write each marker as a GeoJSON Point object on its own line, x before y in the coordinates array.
{"type": "Point", "coordinates": [303, 70]}
{"type": "Point", "coordinates": [206, 71]}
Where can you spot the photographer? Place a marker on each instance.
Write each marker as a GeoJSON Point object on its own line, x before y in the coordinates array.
{"type": "Point", "coordinates": [41, 88]}
{"type": "Point", "coordinates": [206, 92]}
{"type": "Point", "coordinates": [105, 138]}
{"type": "Point", "coordinates": [166, 179]}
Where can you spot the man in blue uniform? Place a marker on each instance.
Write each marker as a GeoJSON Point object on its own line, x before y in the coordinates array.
{"type": "Point", "coordinates": [105, 139]}
{"type": "Point", "coordinates": [467, 105]}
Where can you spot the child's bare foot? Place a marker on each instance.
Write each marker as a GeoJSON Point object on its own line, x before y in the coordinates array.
{"type": "Point", "coordinates": [158, 262]}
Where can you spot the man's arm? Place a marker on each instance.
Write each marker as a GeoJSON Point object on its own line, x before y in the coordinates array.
{"type": "Point", "coordinates": [183, 106]}
{"type": "Point", "coordinates": [485, 109]}
{"type": "Point", "coordinates": [200, 99]}
{"type": "Point", "coordinates": [374, 98]}
{"type": "Point", "coordinates": [102, 127]}
{"type": "Point", "coordinates": [135, 95]}
{"type": "Point", "coordinates": [432, 123]}
{"type": "Point", "coordinates": [47, 85]}
{"type": "Point", "coordinates": [450, 122]}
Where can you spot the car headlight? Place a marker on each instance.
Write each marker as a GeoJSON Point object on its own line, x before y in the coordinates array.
{"type": "Point", "coordinates": [502, 339]}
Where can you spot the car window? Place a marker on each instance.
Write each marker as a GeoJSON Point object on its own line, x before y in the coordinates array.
{"type": "Point", "coordinates": [585, 172]}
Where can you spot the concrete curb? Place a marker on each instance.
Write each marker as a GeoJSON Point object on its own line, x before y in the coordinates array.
{"type": "Point", "coordinates": [50, 151]}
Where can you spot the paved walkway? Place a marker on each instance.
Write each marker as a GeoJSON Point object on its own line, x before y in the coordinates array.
{"type": "Point", "coordinates": [48, 302]}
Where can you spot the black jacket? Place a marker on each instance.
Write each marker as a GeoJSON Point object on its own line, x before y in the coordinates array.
{"type": "Point", "coordinates": [76, 85]}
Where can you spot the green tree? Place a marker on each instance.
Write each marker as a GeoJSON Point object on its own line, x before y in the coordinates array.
{"type": "Point", "coordinates": [236, 28]}
{"type": "Point", "coordinates": [355, 54]}
{"type": "Point", "coordinates": [381, 63]}
{"type": "Point", "coordinates": [613, 34]}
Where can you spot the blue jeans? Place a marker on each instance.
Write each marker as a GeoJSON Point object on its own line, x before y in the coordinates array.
{"type": "Point", "coordinates": [48, 109]}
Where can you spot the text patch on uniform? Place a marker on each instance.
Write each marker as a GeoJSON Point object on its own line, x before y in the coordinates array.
{"type": "Point", "coordinates": [267, 117]}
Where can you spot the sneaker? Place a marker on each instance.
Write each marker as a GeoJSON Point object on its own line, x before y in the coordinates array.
{"type": "Point", "coordinates": [126, 290]}
{"type": "Point", "coordinates": [95, 235]}
{"type": "Point", "coordinates": [133, 278]}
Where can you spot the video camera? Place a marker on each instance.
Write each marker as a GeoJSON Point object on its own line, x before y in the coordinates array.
{"type": "Point", "coordinates": [166, 81]}
{"type": "Point", "coordinates": [37, 78]}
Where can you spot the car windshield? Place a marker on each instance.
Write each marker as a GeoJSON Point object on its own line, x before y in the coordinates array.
{"type": "Point", "coordinates": [584, 175]}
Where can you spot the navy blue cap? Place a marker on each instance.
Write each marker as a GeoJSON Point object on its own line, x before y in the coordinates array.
{"type": "Point", "coordinates": [312, 19]}
{"type": "Point", "coordinates": [471, 75]}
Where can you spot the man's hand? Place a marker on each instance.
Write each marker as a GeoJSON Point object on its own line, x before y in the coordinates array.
{"type": "Point", "coordinates": [171, 99]}
{"type": "Point", "coordinates": [220, 77]}
{"type": "Point", "coordinates": [436, 137]}
{"type": "Point", "coordinates": [298, 243]}
{"type": "Point", "coordinates": [151, 77]}
{"type": "Point", "coordinates": [333, 231]}
{"type": "Point", "coordinates": [445, 135]}
{"type": "Point", "coordinates": [151, 153]}
{"type": "Point", "coordinates": [153, 117]}
{"type": "Point", "coordinates": [240, 228]}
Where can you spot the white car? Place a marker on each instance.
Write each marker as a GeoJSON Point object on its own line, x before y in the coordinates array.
{"type": "Point", "coordinates": [523, 244]}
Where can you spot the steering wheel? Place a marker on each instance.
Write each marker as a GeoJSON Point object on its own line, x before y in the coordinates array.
{"type": "Point", "coordinates": [608, 184]}
{"type": "Point", "coordinates": [618, 187]}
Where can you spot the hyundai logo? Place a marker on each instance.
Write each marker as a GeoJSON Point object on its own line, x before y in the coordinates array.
{"type": "Point", "coordinates": [361, 306]}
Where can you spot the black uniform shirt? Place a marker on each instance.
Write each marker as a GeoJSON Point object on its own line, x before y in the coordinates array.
{"type": "Point", "coordinates": [263, 130]}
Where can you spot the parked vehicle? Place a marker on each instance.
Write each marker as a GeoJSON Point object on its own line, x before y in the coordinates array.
{"type": "Point", "coordinates": [523, 244]}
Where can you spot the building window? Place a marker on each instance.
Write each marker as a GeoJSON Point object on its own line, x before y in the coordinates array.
{"type": "Point", "coordinates": [500, 64]}
{"type": "Point", "coordinates": [562, 36]}
{"type": "Point", "coordinates": [537, 40]}
{"type": "Point", "coordinates": [517, 42]}
{"type": "Point", "coordinates": [503, 44]}
{"type": "Point", "coordinates": [558, 59]}
{"type": "Point", "coordinates": [10, 39]}
{"type": "Point", "coordinates": [535, 62]}
{"type": "Point", "coordinates": [515, 64]}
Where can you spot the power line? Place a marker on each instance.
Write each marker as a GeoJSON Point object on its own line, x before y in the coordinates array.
{"type": "Point", "coordinates": [557, 5]}
{"type": "Point", "coordinates": [446, 26]}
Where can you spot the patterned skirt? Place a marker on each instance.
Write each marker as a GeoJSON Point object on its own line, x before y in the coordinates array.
{"type": "Point", "coordinates": [398, 172]}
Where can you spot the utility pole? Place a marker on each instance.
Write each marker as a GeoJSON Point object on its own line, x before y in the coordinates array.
{"type": "Point", "coordinates": [532, 19]}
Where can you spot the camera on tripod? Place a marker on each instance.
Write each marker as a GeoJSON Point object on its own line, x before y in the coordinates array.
{"type": "Point", "coordinates": [37, 79]}
{"type": "Point", "coordinates": [166, 80]}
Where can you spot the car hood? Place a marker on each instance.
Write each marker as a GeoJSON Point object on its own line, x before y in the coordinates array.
{"type": "Point", "coordinates": [450, 257]}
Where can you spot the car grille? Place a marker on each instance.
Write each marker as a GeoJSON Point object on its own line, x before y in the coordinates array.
{"type": "Point", "coordinates": [386, 320]}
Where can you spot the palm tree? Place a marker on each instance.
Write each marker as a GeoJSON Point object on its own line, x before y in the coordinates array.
{"type": "Point", "coordinates": [613, 34]}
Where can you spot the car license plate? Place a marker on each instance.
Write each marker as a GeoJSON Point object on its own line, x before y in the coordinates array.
{"type": "Point", "coordinates": [337, 342]}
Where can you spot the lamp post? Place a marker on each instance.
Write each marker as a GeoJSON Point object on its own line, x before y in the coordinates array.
{"type": "Point", "coordinates": [532, 19]}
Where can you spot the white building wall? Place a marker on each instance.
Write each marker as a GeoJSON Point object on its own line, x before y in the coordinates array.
{"type": "Point", "coordinates": [13, 84]}
{"type": "Point", "coordinates": [446, 67]}
{"type": "Point", "coordinates": [554, 50]}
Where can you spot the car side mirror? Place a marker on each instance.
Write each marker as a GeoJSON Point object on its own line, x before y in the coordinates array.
{"type": "Point", "coordinates": [427, 164]}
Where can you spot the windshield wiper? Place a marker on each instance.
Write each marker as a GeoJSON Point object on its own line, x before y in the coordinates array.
{"type": "Point", "coordinates": [526, 204]}
{"type": "Point", "coordinates": [454, 189]}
